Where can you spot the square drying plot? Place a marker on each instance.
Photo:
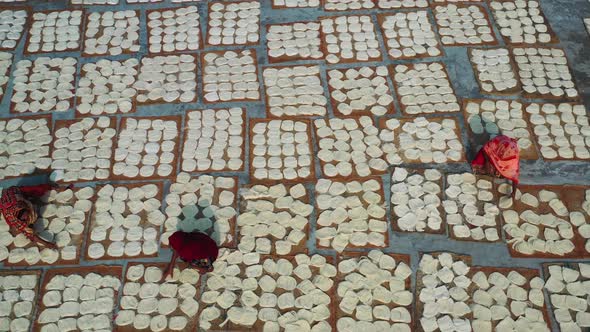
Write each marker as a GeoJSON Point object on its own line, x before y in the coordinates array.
{"type": "Point", "coordinates": [567, 293]}
{"type": "Point", "coordinates": [402, 4]}
{"type": "Point", "coordinates": [350, 39]}
{"type": "Point", "coordinates": [443, 278]}
{"type": "Point", "coordinates": [409, 35]}
{"type": "Point", "coordinates": [281, 150]}
{"type": "Point", "coordinates": [416, 196]}
{"type": "Point", "coordinates": [174, 30]}
{"type": "Point", "coordinates": [294, 41]}
{"type": "Point", "coordinates": [488, 118]}
{"type": "Point", "coordinates": [562, 130]}
{"type": "Point", "coordinates": [5, 65]}
{"type": "Point", "coordinates": [522, 22]}
{"type": "Point", "coordinates": [387, 302]}
{"type": "Point", "coordinates": [544, 73]}
{"type": "Point", "coordinates": [422, 140]}
{"type": "Point", "coordinates": [82, 149]}
{"type": "Point", "coordinates": [233, 23]}
{"type": "Point", "coordinates": [25, 144]}
{"type": "Point", "coordinates": [274, 219]}
{"type": "Point", "coordinates": [202, 203]}
{"type": "Point", "coordinates": [167, 79]}
{"type": "Point", "coordinates": [12, 24]}
{"type": "Point", "coordinates": [125, 222]}
{"type": "Point", "coordinates": [349, 147]}
{"type": "Point", "coordinates": [545, 221]}
{"type": "Point", "coordinates": [294, 91]}
{"type": "Point", "coordinates": [275, 290]}
{"type": "Point", "coordinates": [463, 25]}
{"type": "Point", "coordinates": [286, 4]}
{"type": "Point", "coordinates": [147, 148]}
{"type": "Point", "coordinates": [106, 87]}
{"type": "Point", "coordinates": [230, 76]}
{"type": "Point", "coordinates": [351, 214]}
{"type": "Point", "coordinates": [494, 70]}
{"type": "Point", "coordinates": [62, 220]}
{"type": "Point", "coordinates": [519, 294]}
{"type": "Point", "coordinates": [19, 291]}
{"type": "Point", "coordinates": [43, 84]}
{"type": "Point", "coordinates": [471, 208]}
{"type": "Point", "coordinates": [424, 88]}
{"type": "Point", "coordinates": [55, 31]}
{"type": "Point", "coordinates": [337, 5]}
{"type": "Point", "coordinates": [214, 140]}
{"type": "Point", "coordinates": [360, 91]}
{"type": "Point", "coordinates": [150, 301]}
{"type": "Point", "coordinates": [111, 33]}
{"type": "Point", "coordinates": [79, 298]}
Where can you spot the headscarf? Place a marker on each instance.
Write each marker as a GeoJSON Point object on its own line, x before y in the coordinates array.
{"type": "Point", "coordinates": [503, 153]}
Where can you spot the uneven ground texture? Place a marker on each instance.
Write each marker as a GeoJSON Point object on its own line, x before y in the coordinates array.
{"type": "Point", "coordinates": [324, 145]}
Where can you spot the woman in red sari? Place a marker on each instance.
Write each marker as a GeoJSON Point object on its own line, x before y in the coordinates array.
{"type": "Point", "coordinates": [195, 248]}
{"type": "Point", "coordinates": [499, 158]}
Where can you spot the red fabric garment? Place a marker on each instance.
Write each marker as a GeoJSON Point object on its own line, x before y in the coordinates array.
{"type": "Point", "coordinates": [13, 201]}
{"type": "Point", "coordinates": [195, 245]}
{"type": "Point", "coordinates": [503, 153]}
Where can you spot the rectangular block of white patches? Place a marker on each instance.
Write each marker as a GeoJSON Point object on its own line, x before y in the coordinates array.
{"type": "Point", "coordinates": [294, 41]}
{"type": "Point", "coordinates": [294, 91]}
{"type": "Point", "coordinates": [112, 33]}
{"type": "Point", "coordinates": [125, 222]}
{"type": "Point", "coordinates": [151, 302]}
{"type": "Point", "coordinates": [471, 208]}
{"type": "Point", "coordinates": [522, 22]}
{"type": "Point", "coordinates": [349, 146]}
{"type": "Point", "coordinates": [350, 39]}
{"type": "Point", "coordinates": [44, 84]}
{"type": "Point", "coordinates": [282, 4]}
{"type": "Point", "coordinates": [410, 35]}
{"type": "Point", "coordinates": [82, 149]}
{"type": "Point", "coordinates": [25, 144]}
{"type": "Point", "coordinates": [494, 70]}
{"type": "Point", "coordinates": [438, 275]}
{"type": "Point", "coordinates": [544, 73]}
{"type": "Point", "coordinates": [402, 4]}
{"type": "Point", "coordinates": [19, 291]}
{"type": "Point", "coordinates": [146, 147]}
{"type": "Point", "coordinates": [562, 130]}
{"type": "Point", "coordinates": [335, 5]}
{"type": "Point", "coordinates": [360, 91]}
{"type": "Point", "coordinates": [5, 64]}
{"type": "Point", "coordinates": [55, 31]}
{"type": "Point", "coordinates": [416, 200]}
{"type": "Point", "coordinates": [214, 140]}
{"type": "Point", "coordinates": [167, 79]}
{"type": "Point", "coordinates": [567, 284]}
{"type": "Point", "coordinates": [271, 285]}
{"type": "Point", "coordinates": [425, 88]}
{"type": "Point", "coordinates": [424, 140]}
{"type": "Point", "coordinates": [205, 203]}
{"type": "Point", "coordinates": [106, 87]}
{"type": "Point", "coordinates": [12, 23]}
{"type": "Point", "coordinates": [230, 76]}
{"type": "Point", "coordinates": [280, 150]}
{"type": "Point", "coordinates": [233, 23]}
{"type": "Point", "coordinates": [274, 219]}
{"type": "Point", "coordinates": [388, 304]}
{"type": "Point", "coordinates": [62, 220]}
{"type": "Point", "coordinates": [351, 214]}
{"type": "Point", "coordinates": [79, 300]}
{"type": "Point", "coordinates": [490, 118]}
{"type": "Point", "coordinates": [172, 30]}
{"type": "Point", "coordinates": [475, 28]}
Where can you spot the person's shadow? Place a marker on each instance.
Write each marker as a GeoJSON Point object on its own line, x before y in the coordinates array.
{"type": "Point", "coordinates": [199, 217]}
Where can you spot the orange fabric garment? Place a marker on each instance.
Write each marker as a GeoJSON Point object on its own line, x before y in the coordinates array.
{"type": "Point", "coordinates": [503, 152]}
